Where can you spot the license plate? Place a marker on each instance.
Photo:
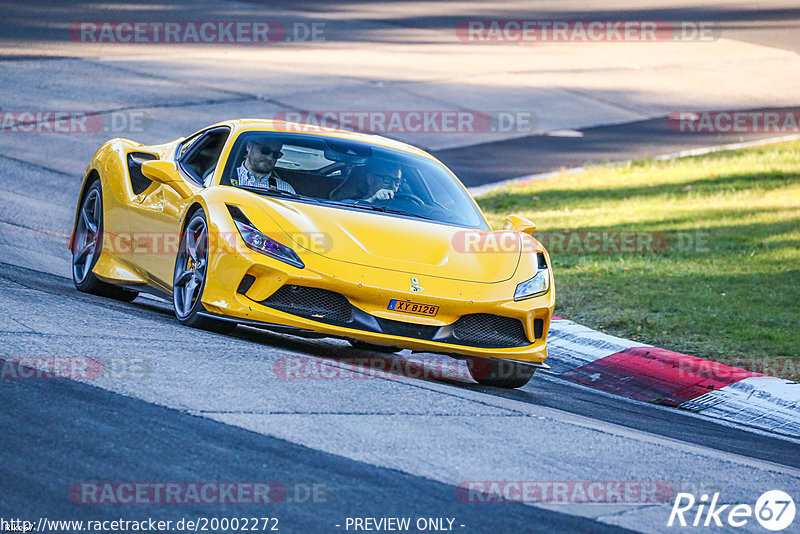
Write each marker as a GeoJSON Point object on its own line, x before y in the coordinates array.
{"type": "Point", "coordinates": [415, 308]}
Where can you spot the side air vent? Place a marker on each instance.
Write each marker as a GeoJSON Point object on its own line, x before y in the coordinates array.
{"type": "Point", "coordinates": [139, 182]}
{"type": "Point", "coordinates": [246, 283]}
{"type": "Point", "coordinates": [538, 328]}
{"type": "Point", "coordinates": [541, 260]}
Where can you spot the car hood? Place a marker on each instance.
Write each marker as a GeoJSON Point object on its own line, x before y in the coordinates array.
{"type": "Point", "coordinates": [375, 239]}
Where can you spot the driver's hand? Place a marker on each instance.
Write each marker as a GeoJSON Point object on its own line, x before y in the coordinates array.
{"type": "Point", "coordinates": [382, 194]}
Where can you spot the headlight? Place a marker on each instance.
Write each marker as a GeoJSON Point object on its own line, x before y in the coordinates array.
{"type": "Point", "coordinates": [537, 285]}
{"type": "Point", "coordinates": [262, 243]}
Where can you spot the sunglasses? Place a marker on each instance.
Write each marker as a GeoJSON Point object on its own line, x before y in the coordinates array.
{"type": "Point", "coordinates": [276, 153]}
{"type": "Point", "coordinates": [388, 179]}
{"type": "Point", "coordinates": [265, 150]}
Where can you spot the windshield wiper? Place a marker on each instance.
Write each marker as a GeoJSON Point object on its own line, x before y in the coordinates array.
{"type": "Point", "coordinates": [382, 209]}
{"type": "Point", "coordinates": [401, 212]}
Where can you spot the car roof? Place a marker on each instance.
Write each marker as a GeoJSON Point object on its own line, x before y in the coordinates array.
{"type": "Point", "coordinates": [267, 125]}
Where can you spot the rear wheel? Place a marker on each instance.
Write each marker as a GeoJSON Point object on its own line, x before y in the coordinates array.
{"type": "Point", "coordinates": [191, 268]}
{"type": "Point", "coordinates": [499, 373]}
{"type": "Point", "coordinates": [87, 245]}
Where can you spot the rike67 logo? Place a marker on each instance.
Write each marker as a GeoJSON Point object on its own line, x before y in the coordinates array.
{"type": "Point", "coordinates": [774, 510]}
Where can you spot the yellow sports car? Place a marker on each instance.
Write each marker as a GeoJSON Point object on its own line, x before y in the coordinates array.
{"type": "Point", "coordinates": [319, 233]}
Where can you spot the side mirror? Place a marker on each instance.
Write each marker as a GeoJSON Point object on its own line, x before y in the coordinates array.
{"type": "Point", "coordinates": [166, 172]}
{"type": "Point", "coordinates": [520, 224]}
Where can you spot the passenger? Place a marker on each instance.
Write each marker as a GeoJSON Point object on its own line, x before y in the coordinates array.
{"type": "Point", "coordinates": [258, 167]}
{"type": "Point", "coordinates": [380, 181]}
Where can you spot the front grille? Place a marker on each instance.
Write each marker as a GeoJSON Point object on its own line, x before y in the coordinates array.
{"type": "Point", "coordinates": [486, 330]}
{"type": "Point", "coordinates": [477, 330]}
{"type": "Point", "coordinates": [400, 328]}
{"type": "Point", "coordinates": [311, 303]}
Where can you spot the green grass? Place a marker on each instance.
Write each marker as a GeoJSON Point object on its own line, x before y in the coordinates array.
{"type": "Point", "coordinates": [735, 296]}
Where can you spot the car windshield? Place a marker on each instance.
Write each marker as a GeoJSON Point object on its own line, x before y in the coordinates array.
{"type": "Point", "coordinates": [350, 175]}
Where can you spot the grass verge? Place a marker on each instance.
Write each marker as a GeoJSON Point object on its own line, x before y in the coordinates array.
{"type": "Point", "coordinates": [699, 255]}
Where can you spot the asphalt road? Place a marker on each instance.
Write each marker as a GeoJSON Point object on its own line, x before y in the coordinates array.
{"type": "Point", "coordinates": [182, 405]}
{"type": "Point", "coordinates": [101, 435]}
{"type": "Point", "coordinates": [384, 446]}
{"type": "Point", "coordinates": [539, 154]}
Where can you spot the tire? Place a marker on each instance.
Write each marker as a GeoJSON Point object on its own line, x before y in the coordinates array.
{"type": "Point", "coordinates": [189, 278]}
{"type": "Point", "coordinates": [363, 345]}
{"type": "Point", "coordinates": [499, 373]}
{"type": "Point", "coordinates": [87, 246]}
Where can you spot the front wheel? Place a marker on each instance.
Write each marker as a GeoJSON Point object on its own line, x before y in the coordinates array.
{"type": "Point", "coordinates": [499, 373]}
{"type": "Point", "coordinates": [191, 269]}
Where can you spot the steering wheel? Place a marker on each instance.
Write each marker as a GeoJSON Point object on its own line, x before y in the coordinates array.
{"type": "Point", "coordinates": [414, 199]}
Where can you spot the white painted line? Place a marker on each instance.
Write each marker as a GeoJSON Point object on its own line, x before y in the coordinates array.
{"type": "Point", "coordinates": [564, 133]}
{"type": "Point", "coordinates": [731, 146]}
{"type": "Point", "coordinates": [481, 190]}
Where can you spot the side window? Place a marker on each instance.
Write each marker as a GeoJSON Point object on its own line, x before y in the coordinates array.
{"type": "Point", "coordinates": [199, 159]}
{"type": "Point", "coordinates": [187, 143]}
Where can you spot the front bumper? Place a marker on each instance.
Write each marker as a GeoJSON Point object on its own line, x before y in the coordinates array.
{"type": "Point", "coordinates": [241, 282]}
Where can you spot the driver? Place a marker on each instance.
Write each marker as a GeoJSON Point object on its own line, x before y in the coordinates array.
{"type": "Point", "coordinates": [381, 181]}
{"type": "Point", "coordinates": [258, 167]}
